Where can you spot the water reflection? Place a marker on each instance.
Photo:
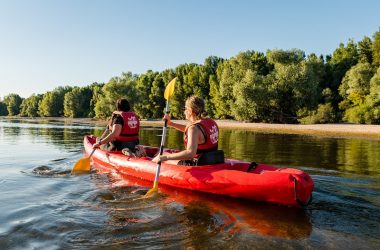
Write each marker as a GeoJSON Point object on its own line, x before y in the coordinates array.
{"type": "Point", "coordinates": [11, 131]}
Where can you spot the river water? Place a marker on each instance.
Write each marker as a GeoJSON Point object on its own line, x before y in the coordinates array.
{"type": "Point", "coordinates": [43, 206]}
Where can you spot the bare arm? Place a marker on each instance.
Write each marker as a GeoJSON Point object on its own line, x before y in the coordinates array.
{"type": "Point", "coordinates": [116, 130]}
{"type": "Point", "coordinates": [188, 153]}
{"type": "Point", "coordinates": [106, 131]}
{"type": "Point", "coordinates": [177, 126]}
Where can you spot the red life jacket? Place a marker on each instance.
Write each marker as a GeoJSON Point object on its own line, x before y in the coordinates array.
{"type": "Point", "coordinates": [210, 131]}
{"type": "Point", "coordinates": [131, 126]}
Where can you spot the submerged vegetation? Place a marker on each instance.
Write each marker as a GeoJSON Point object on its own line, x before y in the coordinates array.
{"type": "Point", "coordinates": [280, 86]}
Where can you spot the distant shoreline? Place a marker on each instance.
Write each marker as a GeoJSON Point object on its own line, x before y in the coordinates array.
{"type": "Point", "coordinates": [325, 130]}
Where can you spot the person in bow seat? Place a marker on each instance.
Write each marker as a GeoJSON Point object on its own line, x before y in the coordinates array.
{"type": "Point", "coordinates": [122, 131]}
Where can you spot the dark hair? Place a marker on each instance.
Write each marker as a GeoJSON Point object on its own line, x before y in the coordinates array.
{"type": "Point", "coordinates": [122, 105]}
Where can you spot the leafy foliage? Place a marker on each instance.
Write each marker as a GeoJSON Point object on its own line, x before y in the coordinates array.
{"type": "Point", "coordinates": [77, 102]}
{"type": "Point", "coordinates": [376, 49]}
{"type": "Point", "coordinates": [3, 109]}
{"type": "Point", "coordinates": [13, 102]}
{"type": "Point", "coordinates": [51, 104]}
{"type": "Point", "coordinates": [117, 87]}
{"type": "Point", "coordinates": [29, 106]}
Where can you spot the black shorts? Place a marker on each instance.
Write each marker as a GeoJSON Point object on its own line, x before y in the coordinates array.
{"type": "Point", "coordinates": [120, 145]}
{"type": "Point", "coordinates": [187, 163]}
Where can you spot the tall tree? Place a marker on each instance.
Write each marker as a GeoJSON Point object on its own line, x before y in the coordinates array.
{"type": "Point", "coordinates": [376, 49]}
{"type": "Point", "coordinates": [373, 100]}
{"type": "Point", "coordinates": [117, 87]}
{"type": "Point", "coordinates": [96, 89]}
{"type": "Point", "coordinates": [252, 95]}
{"type": "Point", "coordinates": [295, 84]}
{"type": "Point", "coordinates": [77, 102]}
{"type": "Point", "coordinates": [13, 102]}
{"type": "Point", "coordinates": [29, 106]}
{"type": "Point", "coordinates": [143, 89]}
{"type": "Point", "coordinates": [51, 104]}
{"type": "Point", "coordinates": [156, 96]}
{"type": "Point", "coordinates": [354, 89]}
{"type": "Point", "coordinates": [343, 58]}
{"type": "Point", "coordinates": [365, 50]}
{"type": "Point", "coordinates": [3, 109]}
{"type": "Point", "coordinates": [231, 72]}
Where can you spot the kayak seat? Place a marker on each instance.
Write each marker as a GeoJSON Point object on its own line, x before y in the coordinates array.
{"type": "Point", "coordinates": [210, 158]}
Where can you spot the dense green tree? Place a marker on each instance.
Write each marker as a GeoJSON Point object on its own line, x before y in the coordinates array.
{"type": "Point", "coordinates": [213, 96]}
{"type": "Point", "coordinates": [76, 103]}
{"type": "Point", "coordinates": [143, 90]}
{"type": "Point", "coordinates": [183, 89]}
{"type": "Point", "coordinates": [211, 64]}
{"type": "Point", "coordinates": [223, 99]}
{"type": "Point", "coordinates": [13, 102]}
{"type": "Point", "coordinates": [323, 114]}
{"type": "Point", "coordinates": [356, 83]}
{"type": "Point", "coordinates": [252, 95]}
{"type": "Point", "coordinates": [365, 50]}
{"type": "Point", "coordinates": [231, 72]}
{"type": "Point", "coordinates": [29, 106]}
{"type": "Point", "coordinates": [373, 100]}
{"type": "Point", "coordinates": [354, 89]}
{"type": "Point", "coordinates": [320, 110]}
{"type": "Point", "coordinates": [295, 84]}
{"type": "Point", "coordinates": [96, 89]}
{"type": "Point", "coordinates": [285, 57]}
{"type": "Point", "coordinates": [209, 78]}
{"type": "Point", "coordinates": [3, 109]}
{"type": "Point", "coordinates": [376, 49]}
{"type": "Point", "coordinates": [117, 87]}
{"type": "Point", "coordinates": [156, 96]}
{"type": "Point", "coordinates": [189, 82]}
{"type": "Point", "coordinates": [51, 104]}
{"type": "Point", "coordinates": [341, 61]}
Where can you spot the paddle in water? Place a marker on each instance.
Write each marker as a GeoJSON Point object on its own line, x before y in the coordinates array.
{"type": "Point", "coordinates": [83, 165]}
{"type": "Point", "coordinates": [168, 93]}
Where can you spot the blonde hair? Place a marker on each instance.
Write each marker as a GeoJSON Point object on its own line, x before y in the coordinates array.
{"type": "Point", "coordinates": [197, 105]}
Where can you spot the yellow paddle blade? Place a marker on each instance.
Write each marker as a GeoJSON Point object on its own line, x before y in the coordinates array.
{"type": "Point", "coordinates": [83, 165]}
{"type": "Point", "coordinates": [170, 89]}
{"type": "Point", "coordinates": [153, 190]}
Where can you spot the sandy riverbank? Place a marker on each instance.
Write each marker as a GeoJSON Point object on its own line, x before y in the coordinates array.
{"type": "Point", "coordinates": [327, 130]}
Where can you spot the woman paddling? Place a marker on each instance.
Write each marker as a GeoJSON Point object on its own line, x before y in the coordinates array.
{"type": "Point", "coordinates": [201, 136]}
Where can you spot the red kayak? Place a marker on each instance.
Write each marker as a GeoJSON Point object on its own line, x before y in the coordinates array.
{"type": "Point", "coordinates": [286, 186]}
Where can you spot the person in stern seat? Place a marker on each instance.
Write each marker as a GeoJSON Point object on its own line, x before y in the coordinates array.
{"type": "Point", "coordinates": [122, 131]}
{"type": "Point", "coordinates": [201, 136]}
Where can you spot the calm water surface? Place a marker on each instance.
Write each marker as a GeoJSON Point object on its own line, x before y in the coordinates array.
{"type": "Point", "coordinates": [43, 206]}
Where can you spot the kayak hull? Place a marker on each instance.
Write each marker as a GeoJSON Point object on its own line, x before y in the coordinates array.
{"type": "Point", "coordinates": [286, 186]}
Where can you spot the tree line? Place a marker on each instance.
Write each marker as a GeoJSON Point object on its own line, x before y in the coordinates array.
{"type": "Point", "coordinates": [280, 86]}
